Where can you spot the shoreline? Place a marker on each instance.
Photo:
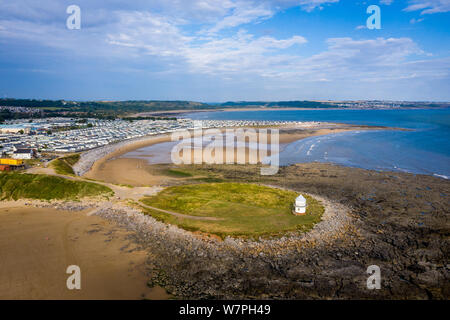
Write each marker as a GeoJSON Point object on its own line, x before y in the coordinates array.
{"type": "Point", "coordinates": [232, 109]}
{"type": "Point", "coordinates": [91, 158]}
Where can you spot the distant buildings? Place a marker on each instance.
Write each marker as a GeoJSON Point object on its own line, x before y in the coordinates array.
{"type": "Point", "coordinates": [56, 135]}
{"type": "Point", "coordinates": [19, 128]}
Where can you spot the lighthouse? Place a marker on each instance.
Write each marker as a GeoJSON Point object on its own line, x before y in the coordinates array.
{"type": "Point", "coordinates": [300, 206]}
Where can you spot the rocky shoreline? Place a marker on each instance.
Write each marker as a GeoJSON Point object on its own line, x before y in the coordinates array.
{"type": "Point", "coordinates": [396, 221]}
{"type": "Point", "coordinates": [188, 265]}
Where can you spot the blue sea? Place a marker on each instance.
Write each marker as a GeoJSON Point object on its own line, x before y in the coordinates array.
{"type": "Point", "coordinates": [425, 149]}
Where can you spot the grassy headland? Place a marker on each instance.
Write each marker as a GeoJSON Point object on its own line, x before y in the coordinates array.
{"type": "Point", "coordinates": [243, 210]}
{"type": "Point", "coordinates": [35, 186]}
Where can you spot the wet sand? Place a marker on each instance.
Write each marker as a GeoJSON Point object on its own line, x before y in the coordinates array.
{"type": "Point", "coordinates": [288, 136]}
{"type": "Point", "coordinates": [38, 244]}
{"type": "Point", "coordinates": [99, 163]}
{"type": "Point", "coordinates": [126, 171]}
{"type": "Point", "coordinates": [118, 168]}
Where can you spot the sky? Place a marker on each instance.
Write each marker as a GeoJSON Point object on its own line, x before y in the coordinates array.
{"type": "Point", "coordinates": [225, 50]}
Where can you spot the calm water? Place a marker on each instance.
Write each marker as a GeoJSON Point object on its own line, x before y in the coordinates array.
{"type": "Point", "coordinates": [425, 149]}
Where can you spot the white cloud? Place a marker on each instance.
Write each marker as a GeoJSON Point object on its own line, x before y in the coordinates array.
{"type": "Point", "coordinates": [429, 6]}
{"type": "Point", "coordinates": [414, 20]}
{"type": "Point", "coordinates": [353, 61]}
{"type": "Point", "coordinates": [310, 5]}
{"type": "Point", "coordinates": [242, 15]}
{"type": "Point", "coordinates": [240, 54]}
{"type": "Point", "coordinates": [153, 34]}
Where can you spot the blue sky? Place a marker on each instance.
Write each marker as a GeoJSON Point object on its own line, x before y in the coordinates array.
{"type": "Point", "coordinates": [222, 50]}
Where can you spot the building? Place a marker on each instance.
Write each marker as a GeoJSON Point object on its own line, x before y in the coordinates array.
{"type": "Point", "coordinates": [11, 162]}
{"type": "Point", "coordinates": [14, 129]}
{"type": "Point", "coordinates": [23, 154]}
{"type": "Point", "coordinates": [300, 206]}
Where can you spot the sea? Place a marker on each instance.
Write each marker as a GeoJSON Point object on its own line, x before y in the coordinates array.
{"type": "Point", "coordinates": [423, 149]}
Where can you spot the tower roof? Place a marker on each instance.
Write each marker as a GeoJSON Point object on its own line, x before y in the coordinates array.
{"type": "Point", "coordinates": [300, 201]}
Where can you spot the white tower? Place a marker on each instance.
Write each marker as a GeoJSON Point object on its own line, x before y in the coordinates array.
{"type": "Point", "coordinates": [300, 205]}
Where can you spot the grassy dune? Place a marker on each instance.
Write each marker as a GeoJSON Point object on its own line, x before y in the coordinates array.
{"type": "Point", "coordinates": [64, 165]}
{"type": "Point", "coordinates": [246, 210]}
{"type": "Point", "coordinates": [33, 186]}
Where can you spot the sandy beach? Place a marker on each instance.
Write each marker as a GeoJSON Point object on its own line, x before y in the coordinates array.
{"type": "Point", "coordinates": [38, 244]}
{"type": "Point", "coordinates": [116, 167]}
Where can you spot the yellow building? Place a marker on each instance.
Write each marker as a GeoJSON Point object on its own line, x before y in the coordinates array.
{"type": "Point", "coordinates": [11, 162]}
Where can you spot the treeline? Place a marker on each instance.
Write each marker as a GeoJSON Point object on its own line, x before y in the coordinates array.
{"type": "Point", "coordinates": [111, 110]}
{"type": "Point", "coordinates": [111, 106]}
{"type": "Point", "coordinates": [8, 115]}
{"type": "Point", "coordinates": [119, 109]}
{"type": "Point", "coordinates": [107, 110]}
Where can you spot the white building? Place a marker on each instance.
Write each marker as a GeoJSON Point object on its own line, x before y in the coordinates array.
{"type": "Point", "coordinates": [300, 205]}
{"type": "Point", "coordinates": [14, 129]}
{"type": "Point", "coordinates": [23, 154]}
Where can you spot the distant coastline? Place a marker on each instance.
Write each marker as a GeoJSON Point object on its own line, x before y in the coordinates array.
{"type": "Point", "coordinates": [185, 112]}
{"type": "Point", "coordinates": [11, 109]}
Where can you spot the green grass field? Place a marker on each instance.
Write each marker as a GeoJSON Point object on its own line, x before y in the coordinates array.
{"type": "Point", "coordinates": [245, 210]}
{"type": "Point", "coordinates": [64, 165]}
{"type": "Point", "coordinates": [35, 186]}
